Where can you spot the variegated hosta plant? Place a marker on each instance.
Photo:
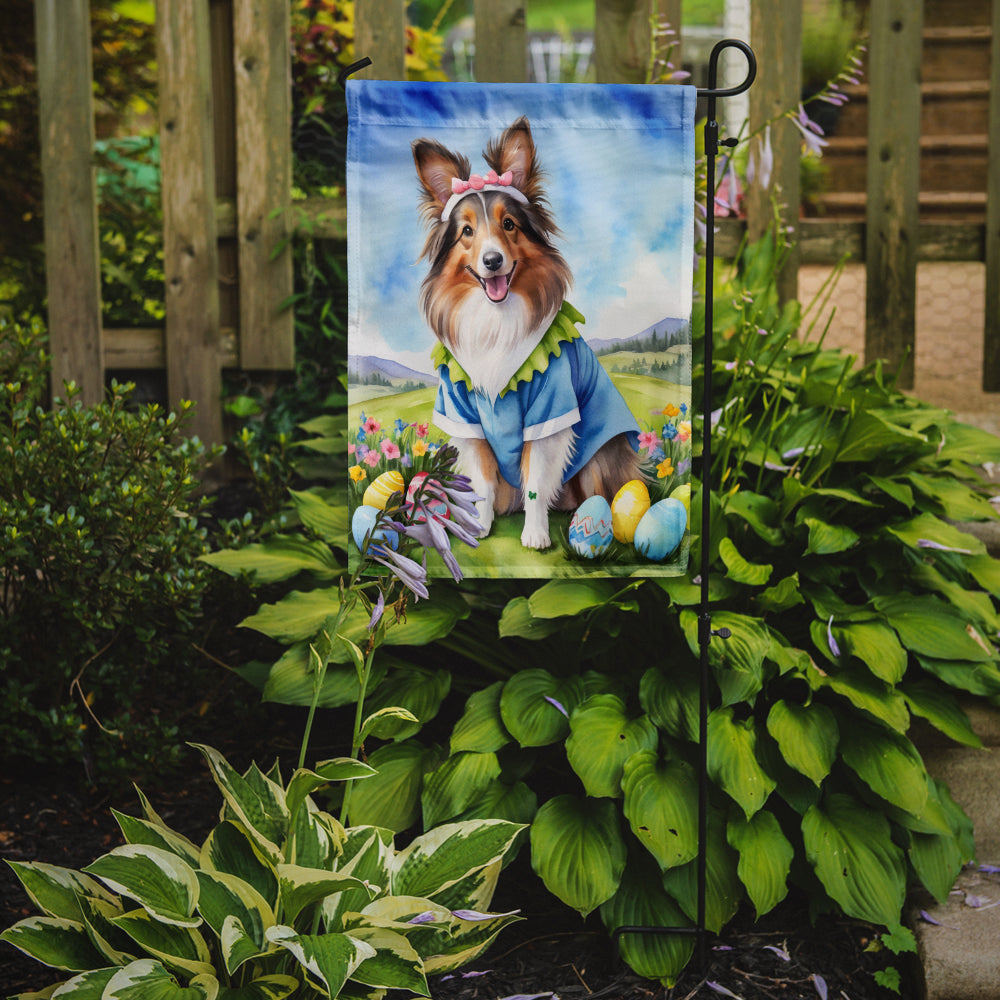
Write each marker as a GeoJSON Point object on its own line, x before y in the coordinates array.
{"type": "Point", "coordinates": [279, 900]}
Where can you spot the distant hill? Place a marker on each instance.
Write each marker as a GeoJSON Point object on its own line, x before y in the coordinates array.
{"type": "Point", "coordinates": [664, 334]}
{"type": "Point", "coordinates": [366, 369]}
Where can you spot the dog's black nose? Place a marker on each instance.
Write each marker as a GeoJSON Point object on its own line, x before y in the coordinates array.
{"type": "Point", "coordinates": [493, 260]}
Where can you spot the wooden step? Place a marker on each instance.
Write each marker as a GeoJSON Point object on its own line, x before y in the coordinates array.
{"type": "Point", "coordinates": [947, 162]}
{"type": "Point", "coordinates": [958, 206]}
{"type": "Point", "coordinates": [956, 53]}
{"type": "Point", "coordinates": [939, 13]}
{"type": "Point", "coordinates": [946, 105]}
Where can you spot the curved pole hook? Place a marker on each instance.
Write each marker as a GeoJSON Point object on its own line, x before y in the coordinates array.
{"type": "Point", "coordinates": [713, 69]}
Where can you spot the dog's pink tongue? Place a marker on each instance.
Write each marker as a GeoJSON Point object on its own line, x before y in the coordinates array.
{"type": "Point", "coordinates": [496, 288]}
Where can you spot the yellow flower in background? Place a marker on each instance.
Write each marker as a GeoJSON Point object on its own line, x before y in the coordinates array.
{"type": "Point", "coordinates": [671, 411]}
{"type": "Point", "coordinates": [357, 473]}
{"type": "Point", "coordinates": [664, 469]}
{"type": "Point", "coordinates": [419, 448]}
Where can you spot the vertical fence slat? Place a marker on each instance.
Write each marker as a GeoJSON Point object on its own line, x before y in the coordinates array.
{"type": "Point", "coordinates": [190, 253]}
{"type": "Point", "coordinates": [991, 332]}
{"type": "Point", "coordinates": [893, 183]}
{"type": "Point", "coordinates": [380, 34]}
{"type": "Point", "coordinates": [776, 34]}
{"type": "Point", "coordinates": [621, 40]}
{"type": "Point", "coordinates": [501, 41]}
{"type": "Point", "coordinates": [72, 257]}
{"type": "Point", "coordinates": [261, 57]}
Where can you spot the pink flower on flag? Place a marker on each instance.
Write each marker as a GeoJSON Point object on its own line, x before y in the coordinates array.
{"type": "Point", "coordinates": [372, 458]}
{"type": "Point", "coordinates": [389, 448]}
{"type": "Point", "coordinates": [648, 440]}
{"type": "Point", "coordinates": [372, 426]}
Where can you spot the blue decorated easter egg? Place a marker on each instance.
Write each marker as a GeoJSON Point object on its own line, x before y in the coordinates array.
{"type": "Point", "coordinates": [590, 528]}
{"type": "Point", "coordinates": [661, 529]}
{"type": "Point", "coordinates": [627, 509]}
{"type": "Point", "coordinates": [363, 521]}
{"type": "Point", "coordinates": [382, 487]}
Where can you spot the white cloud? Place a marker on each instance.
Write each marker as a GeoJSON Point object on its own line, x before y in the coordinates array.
{"type": "Point", "coordinates": [650, 295]}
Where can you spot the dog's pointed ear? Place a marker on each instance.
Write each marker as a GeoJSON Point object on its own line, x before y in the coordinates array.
{"type": "Point", "coordinates": [514, 150]}
{"type": "Point", "coordinates": [436, 166]}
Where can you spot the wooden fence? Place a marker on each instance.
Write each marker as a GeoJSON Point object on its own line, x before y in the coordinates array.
{"type": "Point", "coordinates": [226, 161]}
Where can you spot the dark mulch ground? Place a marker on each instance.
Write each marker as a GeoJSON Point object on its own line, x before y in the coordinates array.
{"type": "Point", "coordinates": [551, 951]}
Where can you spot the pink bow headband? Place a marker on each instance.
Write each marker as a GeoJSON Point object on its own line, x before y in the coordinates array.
{"type": "Point", "coordinates": [491, 182]}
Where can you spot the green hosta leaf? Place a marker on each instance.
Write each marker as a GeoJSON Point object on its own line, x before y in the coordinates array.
{"type": "Point", "coordinates": [528, 710]}
{"type": "Point", "coordinates": [147, 979]}
{"type": "Point", "coordinates": [783, 595]}
{"type": "Point", "coordinates": [387, 723]}
{"type": "Point", "coordinates": [723, 889]}
{"type": "Point", "coordinates": [517, 620]}
{"type": "Point", "coordinates": [330, 959]}
{"type": "Point", "coordinates": [661, 800]}
{"type": "Point", "coordinates": [301, 887]}
{"type": "Point", "coordinates": [279, 558]}
{"type": "Point", "coordinates": [828, 539]}
{"type": "Point", "coordinates": [86, 986]}
{"type": "Point", "coordinates": [976, 678]}
{"type": "Point", "coordinates": [975, 605]}
{"type": "Point", "coordinates": [54, 941]}
{"type": "Point", "coordinates": [937, 858]}
{"type": "Point", "coordinates": [230, 849]}
{"type": "Point", "coordinates": [807, 736]}
{"type": "Point", "coordinates": [864, 691]}
{"type": "Point", "coordinates": [141, 831]}
{"type": "Point", "coordinates": [226, 898]}
{"type": "Point", "coordinates": [765, 858]}
{"type": "Point", "coordinates": [443, 856]}
{"type": "Point", "coordinates": [958, 502]}
{"type": "Point", "coordinates": [425, 622]}
{"type": "Point", "coordinates": [417, 690]}
{"type": "Point", "coordinates": [671, 700]}
{"type": "Point", "coordinates": [159, 881]}
{"type": "Point", "coordinates": [578, 851]}
{"type": "Point", "coordinates": [466, 941]}
{"type": "Point", "coordinates": [516, 803]}
{"type": "Point", "coordinates": [391, 798]}
{"type": "Point", "coordinates": [760, 512]}
{"type": "Point", "coordinates": [732, 760]}
{"type": "Point", "coordinates": [275, 987]}
{"type": "Point", "coordinates": [738, 661]}
{"type": "Point", "coordinates": [98, 916]}
{"type": "Point", "coordinates": [602, 738]}
{"type": "Point", "coordinates": [888, 763]}
{"type": "Point", "coordinates": [330, 521]}
{"type": "Point", "coordinates": [560, 598]}
{"type": "Point", "coordinates": [741, 571]}
{"type": "Point", "coordinates": [927, 528]}
{"type": "Point", "coordinates": [870, 436]}
{"type": "Point", "coordinates": [941, 709]}
{"type": "Point", "coordinates": [641, 901]}
{"type": "Point", "coordinates": [395, 964]}
{"type": "Point", "coordinates": [292, 680]}
{"type": "Point", "coordinates": [931, 628]}
{"type": "Point", "coordinates": [304, 782]}
{"type": "Point", "coordinates": [56, 891]}
{"type": "Point", "coordinates": [876, 646]}
{"type": "Point", "coordinates": [965, 443]}
{"type": "Point", "coordinates": [456, 784]}
{"type": "Point", "coordinates": [850, 848]}
{"type": "Point", "coordinates": [260, 809]}
{"type": "Point", "coordinates": [481, 728]}
{"type": "Point", "coordinates": [180, 948]}
{"type": "Point", "coordinates": [986, 572]}
{"type": "Point", "coordinates": [366, 855]}
{"type": "Point", "coordinates": [893, 488]}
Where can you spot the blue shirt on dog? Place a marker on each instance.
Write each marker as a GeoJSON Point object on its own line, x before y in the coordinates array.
{"type": "Point", "coordinates": [571, 390]}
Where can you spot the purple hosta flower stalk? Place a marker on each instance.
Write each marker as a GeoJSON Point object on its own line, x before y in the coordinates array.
{"type": "Point", "coordinates": [409, 572]}
{"type": "Point", "coordinates": [820, 984]}
{"type": "Point", "coordinates": [834, 648]}
{"type": "Point", "coordinates": [760, 165]}
{"type": "Point", "coordinates": [812, 134]}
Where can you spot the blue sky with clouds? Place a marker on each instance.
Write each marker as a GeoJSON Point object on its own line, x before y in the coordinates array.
{"type": "Point", "coordinates": [619, 162]}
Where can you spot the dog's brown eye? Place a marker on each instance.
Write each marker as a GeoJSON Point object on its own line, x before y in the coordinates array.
{"type": "Point", "coordinates": [467, 230]}
{"type": "Point", "coordinates": [508, 224]}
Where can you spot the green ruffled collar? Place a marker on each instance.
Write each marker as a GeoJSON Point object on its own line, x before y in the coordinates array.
{"type": "Point", "coordinates": [561, 330]}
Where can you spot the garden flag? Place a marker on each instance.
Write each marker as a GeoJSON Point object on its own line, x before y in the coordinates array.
{"type": "Point", "coordinates": [520, 283]}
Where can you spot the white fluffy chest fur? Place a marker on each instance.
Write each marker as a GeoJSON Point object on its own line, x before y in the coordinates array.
{"type": "Point", "coordinates": [494, 340]}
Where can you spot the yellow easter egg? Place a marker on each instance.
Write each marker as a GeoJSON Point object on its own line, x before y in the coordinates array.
{"type": "Point", "coordinates": [382, 488]}
{"type": "Point", "coordinates": [683, 493]}
{"type": "Point", "coordinates": [627, 508]}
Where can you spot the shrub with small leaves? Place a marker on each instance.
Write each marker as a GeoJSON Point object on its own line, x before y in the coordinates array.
{"type": "Point", "coordinates": [99, 574]}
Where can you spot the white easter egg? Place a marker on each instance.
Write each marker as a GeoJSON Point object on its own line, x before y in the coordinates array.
{"type": "Point", "coordinates": [381, 488]}
{"type": "Point", "coordinates": [590, 527]}
{"type": "Point", "coordinates": [363, 521]}
{"type": "Point", "coordinates": [627, 508]}
{"type": "Point", "coordinates": [661, 529]}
